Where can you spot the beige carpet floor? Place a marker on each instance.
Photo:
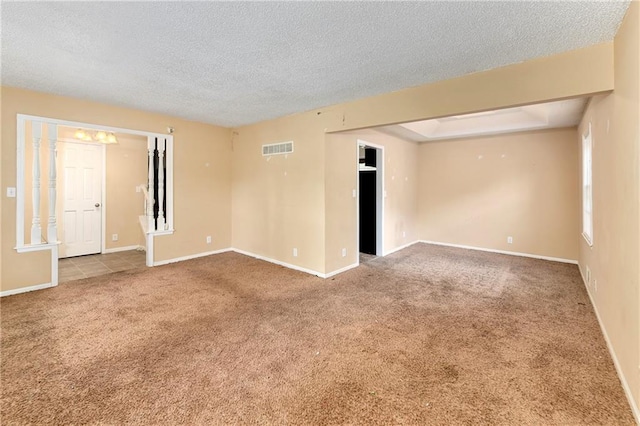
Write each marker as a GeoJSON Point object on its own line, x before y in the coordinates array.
{"type": "Point", "coordinates": [428, 335]}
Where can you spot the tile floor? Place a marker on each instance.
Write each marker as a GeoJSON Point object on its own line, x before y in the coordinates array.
{"type": "Point", "coordinates": [75, 268]}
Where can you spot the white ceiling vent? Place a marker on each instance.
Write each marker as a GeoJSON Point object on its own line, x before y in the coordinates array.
{"type": "Point", "coordinates": [277, 148]}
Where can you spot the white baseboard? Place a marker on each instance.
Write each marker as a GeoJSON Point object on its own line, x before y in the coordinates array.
{"type": "Point", "coordinates": [25, 289]}
{"type": "Point", "coordinates": [625, 385]}
{"type": "Point", "coordinates": [341, 270]}
{"type": "Point", "coordinates": [126, 248]}
{"type": "Point", "coordinates": [191, 256]}
{"type": "Point", "coordinates": [510, 253]}
{"type": "Point", "coordinates": [402, 247]}
{"type": "Point", "coordinates": [277, 262]}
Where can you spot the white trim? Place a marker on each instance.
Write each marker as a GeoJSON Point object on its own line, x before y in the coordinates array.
{"type": "Point", "coordinates": [36, 247]}
{"type": "Point", "coordinates": [587, 175]}
{"type": "Point", "coordinates": [20, 184]}
{"type": "Point", "coordinates": [119, 249]}
{"type": "Point", "coordinates": [341, 270]}
{"type": "Point", "coordinates": [25, 289]}
{"type": "Point", "coordinates": [277, 262]}
{"type": "Point", "coordinates": [103, 201]}
{"type": "Point", "coordinates": [157, 233]}
{"type": "Point", "coordinates": [625, 385]}
{"type": "Point", "coordinates": [380, 196]}
{"type": "Point", "coordinates": [381, 199]}
{"type": "Point", "coordinates": [54, 266]}
{"type": "Point", "coordinates": [259, 257]}
{"type": "Point", "coordinates": [510, 253]}
{"type": "Point", "coordinates": [168, 193]}
{"type": "Point", "coordinates": [150, 210]}
{"type": "Point", "coordinates": [149, 256]}
{"type": "Point", "coordinates": [357, 246]}
{"type": "Point", "coordinates": [191, 256]}
{"type": "Point", "coordinates": [91, 125]}
{"type": "Point", "coordinates": [402, 247]}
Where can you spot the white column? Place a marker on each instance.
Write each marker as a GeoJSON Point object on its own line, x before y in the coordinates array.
{"type": "Point", "coordinates": [150, 201]}
{"type": "Point", "coordinates": [36, 230]}
{"type": "Point", "coordinates": [52, 226]}
{"type": "Point", "coordinates": [161, 149]}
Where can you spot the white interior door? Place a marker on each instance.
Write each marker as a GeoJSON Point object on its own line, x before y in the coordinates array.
{"type": "Point", "coordinates": [82, 198]}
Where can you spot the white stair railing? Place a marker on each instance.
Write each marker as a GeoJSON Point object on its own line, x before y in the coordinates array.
{"type": "Point", "coordinates": [146, 221]}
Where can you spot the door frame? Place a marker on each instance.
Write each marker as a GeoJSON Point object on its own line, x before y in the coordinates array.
{"type": "Point", "coordinates": [380, 197]}
{"type": "Point", "coordinates": [52, 246]}
{"type": "Point", "coordinates": [103, 191]}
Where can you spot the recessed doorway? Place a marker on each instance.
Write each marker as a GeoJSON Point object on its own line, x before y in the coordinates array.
{"type": "Point", "coordinates": [370, 199]}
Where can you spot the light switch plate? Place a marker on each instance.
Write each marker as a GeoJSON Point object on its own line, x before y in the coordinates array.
{"type": "Point", "coordinates": [11, 192]}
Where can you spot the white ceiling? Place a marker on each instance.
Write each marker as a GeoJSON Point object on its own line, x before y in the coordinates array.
{"type": "Point", "coordinates": [233, 63]}
{"type": "Point", "coordinates": [549, 115]}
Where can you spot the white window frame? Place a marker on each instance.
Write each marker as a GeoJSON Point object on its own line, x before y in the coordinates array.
{"type": "Point", "coordinates": [587, 186]}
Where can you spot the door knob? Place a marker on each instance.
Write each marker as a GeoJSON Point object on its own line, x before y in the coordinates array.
{"type": "Point", "coordinates": [97, 204]}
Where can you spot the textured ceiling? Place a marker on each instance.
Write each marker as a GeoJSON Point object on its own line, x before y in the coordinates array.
{"type": "Point", "coordinates": [235, 63]}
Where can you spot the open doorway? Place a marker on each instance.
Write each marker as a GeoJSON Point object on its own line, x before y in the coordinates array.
{"type": "Point", "coordinates": [41, 188]}
{"type": "Point", "coordinates": [99, 202]}
{"type": "Point", "coordinates": [370, 200]}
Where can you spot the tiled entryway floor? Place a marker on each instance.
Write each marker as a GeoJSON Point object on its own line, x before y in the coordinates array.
{"type": "Point", "coordinates": [75, 268]}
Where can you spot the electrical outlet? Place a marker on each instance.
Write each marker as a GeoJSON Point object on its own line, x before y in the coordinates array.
{"type": "Point", "coordinates": [208, 239]}
{"type": "Point", "coordinates": [295, 252]}
{"type": "Point", "coordinates": [344, 252]}
{"type": "Point", "coordinates": [11, 192]}
{"type": "Point", "coordinates": [595, 284]}
{"type": "Point", "coordinates": [588, 276]}
{"type": "Point", "coordinates": [354, 194]}
{"type": "Point", "coordinates": [404, 234]}
{"type": "Point", "coordinates": [509, 240]}
{"type": "Point", "coordinates": [114, 237]}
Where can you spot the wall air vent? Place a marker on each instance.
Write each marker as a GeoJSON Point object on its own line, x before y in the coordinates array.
{"type": "Point", "coordinates": [277, 148]}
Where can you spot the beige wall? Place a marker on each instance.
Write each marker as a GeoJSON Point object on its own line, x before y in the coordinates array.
{"type": "Point", "coordinates": [614, 258]}
{"type": "Point", "coordinates": [202, 178]}
{"type": "Point", "coordinates": [400, 184]}
{"type": "Point", "coordinates": [278, 201]}
{"type": "Point", "coordinates": [341, 208]}
{"type": "Point", "coordinates": [561, 76]}
{"type": "Point", "coordinates": [479, 191]}
{"type": "Point", "coordinates": [273, 213]}
{"type": "Point", "coordinates": [125, 169]}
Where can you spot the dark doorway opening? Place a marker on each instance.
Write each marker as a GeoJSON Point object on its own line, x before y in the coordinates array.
{"type": "Point", "coordinates": [368, 200]}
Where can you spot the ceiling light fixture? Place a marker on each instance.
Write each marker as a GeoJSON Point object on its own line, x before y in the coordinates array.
{"type": "Point", "coordinates": [97, 136]}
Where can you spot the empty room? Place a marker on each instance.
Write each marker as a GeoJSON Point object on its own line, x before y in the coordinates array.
{"type": "Point", "coordinates": [320, 213]}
